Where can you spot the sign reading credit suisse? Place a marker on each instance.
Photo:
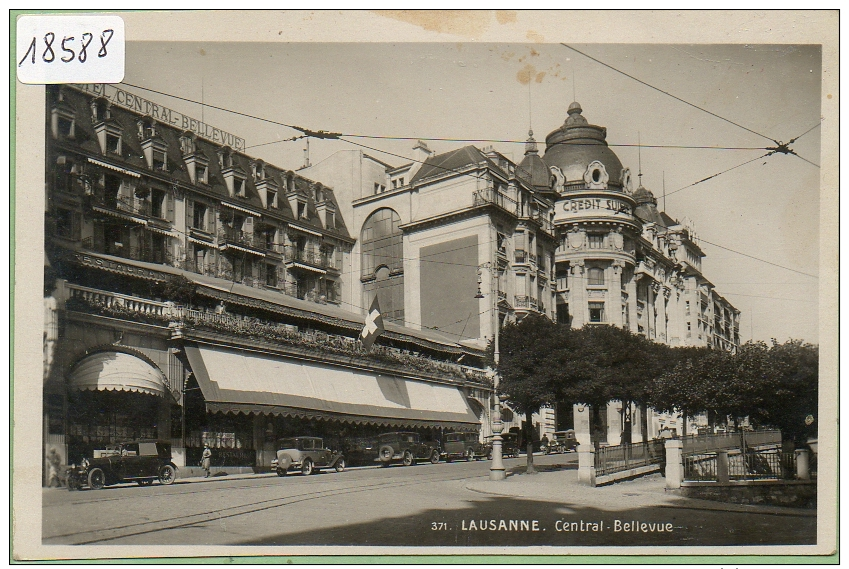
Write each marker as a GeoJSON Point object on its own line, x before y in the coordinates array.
{"type": "Point", "coordinates": [164, 114]}
{"type": "Point", "coordinates": [581, 207]}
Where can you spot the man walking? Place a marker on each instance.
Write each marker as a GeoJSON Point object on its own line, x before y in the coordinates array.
{"type": "Point", "coordinates": [206, 459]}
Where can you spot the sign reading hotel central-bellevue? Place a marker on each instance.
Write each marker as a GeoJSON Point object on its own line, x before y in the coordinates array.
{"type": "Point", "coordinates": [164, 114]}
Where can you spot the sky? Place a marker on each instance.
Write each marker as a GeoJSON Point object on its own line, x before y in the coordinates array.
{"type": "Point", "coordinates": [768, 208]}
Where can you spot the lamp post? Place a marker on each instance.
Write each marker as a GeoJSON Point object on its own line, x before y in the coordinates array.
{"type": "Point", "coordinates": [496, 469]}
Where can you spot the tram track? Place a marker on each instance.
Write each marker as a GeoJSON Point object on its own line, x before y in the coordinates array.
{"type": "Point", "coordinates": [102, 535]}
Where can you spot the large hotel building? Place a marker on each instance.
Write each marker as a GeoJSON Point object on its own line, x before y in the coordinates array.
{"type": "Point", "coordinates": [198, 295]}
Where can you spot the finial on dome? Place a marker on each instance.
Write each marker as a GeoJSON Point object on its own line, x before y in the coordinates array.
{"type": "Point", "coordinates": [531, 143]}
{"type": "Point", "coordinates": [575, 117]}
{"type": "Point", "coordinates": [575, 107]}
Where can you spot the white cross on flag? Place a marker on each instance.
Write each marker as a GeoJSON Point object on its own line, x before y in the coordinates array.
{"type": "Point", "coordinates": [373, 326]}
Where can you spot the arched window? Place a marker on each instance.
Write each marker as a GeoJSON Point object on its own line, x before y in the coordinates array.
{"type": "Point", "coordinates": [595, 276]}
{"type": "Point", "coordinates": [382, 251]}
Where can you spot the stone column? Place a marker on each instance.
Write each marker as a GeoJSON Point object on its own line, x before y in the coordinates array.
{"type": "Point", "coordinates": [578, 307]}
{"type": "Point", "coordinates": [802, 464]}
{"type": "Point", "coordinates": [582, 424]}
{"type": "Point", "coordinates": [674, 463]}
{"type": "Point", "coordinates": [586, 464]}
{"type": "Point", "coordinates": [722, 466]}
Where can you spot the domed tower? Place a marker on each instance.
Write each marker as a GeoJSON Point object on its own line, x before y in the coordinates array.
{"type": "Point", "coordinates": [595, 223]}
{"type": "Point", "coordinates": [533, 170]}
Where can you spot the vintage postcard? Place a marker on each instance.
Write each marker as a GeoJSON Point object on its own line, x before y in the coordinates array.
{"type": "Point", "coordinates": [453, 283]}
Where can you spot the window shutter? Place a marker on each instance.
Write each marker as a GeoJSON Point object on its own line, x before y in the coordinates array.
{"type": "Point", "coordinates": [209, 225]}
{"type": "Point", "coordinates": [169, 207]}
{"type": "Point", "coordinates": [76, 223]}
{"type": "Point", "coordinates": [190, 212]}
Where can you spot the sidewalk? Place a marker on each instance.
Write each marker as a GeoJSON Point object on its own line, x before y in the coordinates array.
{"type": "Point", "coordinates": [562, 487]}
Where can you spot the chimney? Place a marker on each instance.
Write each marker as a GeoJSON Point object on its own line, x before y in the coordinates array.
{"type": "Point", "coordinates": [421, 152]}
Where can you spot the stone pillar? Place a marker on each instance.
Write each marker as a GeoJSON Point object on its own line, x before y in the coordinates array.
{"type": "Point", "coordinates": [674, 463]}
{"type": "Point", "coordinates": [586, 464]}
{"type": "Point", "coordinates": [802, 464]}
{"type": "Point", "coordinates": [722, 466]}
{"type": "Point", "coordinates": [614, 423]}
{"type": "Point", "coordinates": [578, 308]}
{"type": "Point", "coordinates": [583, 430]}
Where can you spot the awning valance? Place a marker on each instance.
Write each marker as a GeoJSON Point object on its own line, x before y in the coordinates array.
{"type": "Point", "coordinates": [117, 371]}
{"type": "Point", "coordinates": [239, 381]}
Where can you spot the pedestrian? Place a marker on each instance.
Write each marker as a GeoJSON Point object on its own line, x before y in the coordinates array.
{"type": "Point", "coordinates": [543, 444]}
{"type": "Point", "coordinates": [206, 459]}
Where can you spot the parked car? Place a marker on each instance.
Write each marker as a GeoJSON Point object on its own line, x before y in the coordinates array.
{"type": "Point", "coordinates": [464, 445]}
{"type": "Point", "coordinates": [141, 461]}
{"type": "Point", "coordinates": [406, 448]}
{"type": "Point", "coordinates": [306, 454]}
{"type": "Point", "coordinates": [563, 441]}
{"type": "Point", "coordinates": [509, 446]}
{"type": "Point", "coordinates": [361, 451]}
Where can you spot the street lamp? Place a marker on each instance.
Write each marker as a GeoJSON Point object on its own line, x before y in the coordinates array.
{"type": "Point", "coordinates": [496, 469]}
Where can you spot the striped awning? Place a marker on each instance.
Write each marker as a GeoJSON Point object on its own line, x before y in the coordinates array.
{"type": "Point", "coordinates": [120, 215]}
{"type": "Point", "coordinates": [199, 241]}
{"type": "Point", "coordinates": [306, 267]}
{"type": "Point", "coordinates": [117, 371]}
{"type": "Point", "coordinates": [242, 249]}
{"type": "Point", "coordinates": [116, 168]}
{"type": "Point", "coordinates": [241, 381]}
{"type": "Point", "coordinates": [304, 230]}
{"type": "Point", "coordinates": [238, 208]}
{"type": "Point", "coordinates": [155, 229]}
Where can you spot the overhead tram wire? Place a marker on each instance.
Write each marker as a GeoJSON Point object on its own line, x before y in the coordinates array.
{"type": "Point", "coordinates": [759, 259]}
{"type": "Point", "coordinates": [640, 81]}
{"type": "Point", "coordinates": [718, 174]}
{"type": "Point", "coordinates": [337, 136]}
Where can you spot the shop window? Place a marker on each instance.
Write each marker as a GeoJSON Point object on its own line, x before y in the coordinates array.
{"type": "Point", "coordinates": [595, 276]}
{"type": "Point", "coordinates": [596, 312]}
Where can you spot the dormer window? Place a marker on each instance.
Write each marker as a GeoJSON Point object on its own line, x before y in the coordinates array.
{"type": "Point", "coordinates": [200, 174]}
{"type": "Point", "coordinates": [258, 168]}
{"type": "Point", "coordinates": [271, 199]}
{"type": "Point", "coordinates": [159, 160]}
{"type": "Point", "coordinates": [238, 186]}
{"type": "Point", "coordinates": [302, 210]}
{"type": "Point", "coordinates": [113, 143]}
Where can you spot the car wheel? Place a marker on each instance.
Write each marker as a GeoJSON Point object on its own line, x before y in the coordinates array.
{"type": "Point", "coordinates": [408, 458]}
{"type": "Point", "coordinates": [434, 457]}
{"type": "Point", "coordinates": [96, 479]}
{"type": "Point", "coordinates": [281, 472]}
{"type": "Point", "coordinates": [167, 475]}
{"type": "Point", "coordinates": [340, 465]}
{"type": "Point", "coordinates": [306, 467]}
{"type": "Point", "coordinates": [386, 453]}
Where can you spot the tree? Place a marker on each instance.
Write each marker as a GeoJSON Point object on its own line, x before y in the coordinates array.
{"type": "Point", "coordinates": [527, 376]}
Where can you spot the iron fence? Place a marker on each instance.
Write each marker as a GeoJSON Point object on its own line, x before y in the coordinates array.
{"type": "Point", "coordinates": [763, 464]}
{"type": "Point", "coordinates": [612, 459]}
{"type": "Point", "coordinates": [723, 441]}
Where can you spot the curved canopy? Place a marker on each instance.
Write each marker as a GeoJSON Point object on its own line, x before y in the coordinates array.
{"type": "Point", "coordinates": [117, 371]}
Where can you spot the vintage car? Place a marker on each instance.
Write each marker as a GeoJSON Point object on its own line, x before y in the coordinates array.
{"type": "Point", "coordinates": [509, 446]}
{"type": "Point", "coordinates": [465, 445]}
{"type": "Point", "coordinates": [406, 448]}
{"type": "Point", "coordinates": [562, 441]}
{"type": "Point", "coordinates": [141, 461]}
{"type": "Point", "coordinates": [305, 454]}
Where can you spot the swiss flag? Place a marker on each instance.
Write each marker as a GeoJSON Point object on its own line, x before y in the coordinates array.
{"type": "Point", "coordinates": [373, 326]}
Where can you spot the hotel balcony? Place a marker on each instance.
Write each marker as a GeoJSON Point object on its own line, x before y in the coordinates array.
{"type": "Point", "coordinates": [143, 253]}
{"type": "Point", "coordinates": [525, 302]}
{"type": "Point", "coordinates": [309, 260]}
{"type": "Point", "coordinates": [331, 348]}
{"type": "Point", "coordinates": [242, 241]}
{"type": "Point", "coordinates": [491, 196]}
{"type": "Point", "coordinates": [123, 207]}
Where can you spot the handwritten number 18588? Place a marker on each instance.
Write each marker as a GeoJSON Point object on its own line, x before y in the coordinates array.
{"type": "Point", "coordinates": [49, 55]}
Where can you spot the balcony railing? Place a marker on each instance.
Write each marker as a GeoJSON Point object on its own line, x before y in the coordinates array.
{"type": "Point", "coordinates": [143, 253]}
{"type": "Point", "coordinates": [310, 257]}
{"type": "Point", "coordinates": [238, 237]}
{"type": "Point", "coordinates": [104, 303]}
{"type": "Point", "coordinates": [124, 204]}
{"type": "Point", "coordinates": [497, 198]}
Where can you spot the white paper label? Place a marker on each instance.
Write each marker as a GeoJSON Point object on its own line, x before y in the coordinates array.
{"type": "Point", "coordinates": [70, 49]}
